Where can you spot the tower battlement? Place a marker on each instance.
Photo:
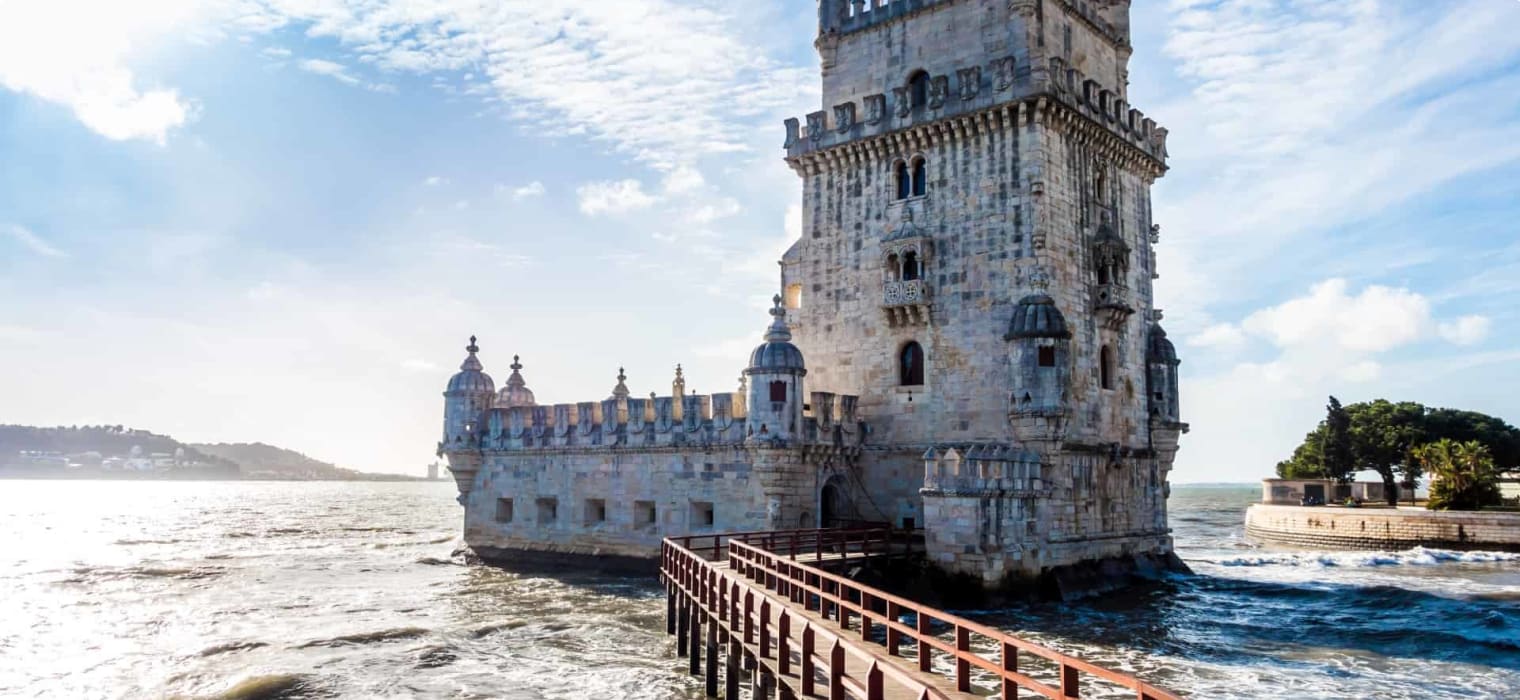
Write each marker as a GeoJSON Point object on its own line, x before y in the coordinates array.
{"type": "Point", "coordinates": [846, 16]}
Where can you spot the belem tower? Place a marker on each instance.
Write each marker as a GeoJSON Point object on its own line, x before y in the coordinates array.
{"type": "Point", "coordinates": [964, 343]}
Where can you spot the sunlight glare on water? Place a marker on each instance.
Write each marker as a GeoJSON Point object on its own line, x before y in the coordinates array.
{"type": "Point", "coordinates": [312, 590]}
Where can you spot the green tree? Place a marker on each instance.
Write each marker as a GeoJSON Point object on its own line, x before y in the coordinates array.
{"type": "Point", "coordinates": [1463, 475]}
{"type": "Point", "coordinates": [1339, 460]}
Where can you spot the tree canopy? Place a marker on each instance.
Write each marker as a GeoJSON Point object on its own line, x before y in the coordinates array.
{"type": "Point", "coordinates": [1382, 436]}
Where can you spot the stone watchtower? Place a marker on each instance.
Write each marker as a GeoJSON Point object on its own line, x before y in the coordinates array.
{"type": "Point", "coordinates": [977, 263]}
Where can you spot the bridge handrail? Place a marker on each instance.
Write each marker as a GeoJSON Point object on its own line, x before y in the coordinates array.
{"type": "Point", "coordinates": [795, 538]}
{"type": "Point", "coordinates": [747, 559]}
{"type": "Point", "coordinates": [688, 570]}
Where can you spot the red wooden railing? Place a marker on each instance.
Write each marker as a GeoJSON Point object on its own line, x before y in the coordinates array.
{"type": "Point", "coordinates": [776, 577]}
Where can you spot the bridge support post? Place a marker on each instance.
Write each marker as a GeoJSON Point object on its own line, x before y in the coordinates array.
{"type": "Point", "coordinates": [670, 610]}
{"type": "Point", "coordinates": [712, 658]}
{"type": "Point", "coordinates": [696, 642]}
{"type": "Point", "coordinates": [682, 611]}
{"type": "Point", "coordinates": [731, 673]}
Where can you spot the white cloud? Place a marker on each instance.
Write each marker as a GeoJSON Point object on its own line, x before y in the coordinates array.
{"type": "Point", "coordinates": [1222, 335]}
{"type": "Point", "coordinates": [435, 181]}
{"type": "Point", "coordinates": [613, 197]}
{"type": "Point", "coordinates": [1320, 114]}
{"type": "Point", "coordinates": [421, 366]}
{"type": "Point", "coordinates": [683, 179]}
{"type": "Point", "coordinates": [528, 191]}
{"type": "Point", "coordinates": [276, 52]}
{"type": "Point", "coordinates": [76, 53]}
{"type": "Point", "coordinates": [33, 242]}
{"type": "Point", "coordinates": [707, 213]}
{"type": "Point", "coordinates": [336, 71]}
{"type": "Point", "coordinates": [666, 82]}
{"type": "Point", "coordinates": [1468, 330]}
{"type": "Point", "coordinates": [1377, 319]}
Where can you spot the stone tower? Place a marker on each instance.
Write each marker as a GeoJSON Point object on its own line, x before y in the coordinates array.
{"type": "Point", "coordinates": [468, 397]}
{"type": "Point", "coordinates": [976, 262]}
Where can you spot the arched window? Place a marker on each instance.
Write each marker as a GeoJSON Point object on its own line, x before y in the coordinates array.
{"type": "Point", "coordinates": [920, 177]}
{"type": "Point", "coordinates": [910, 266]}
{"type": "Point", "coordinates": [894, 268]}
{"type": "Point", "coordinates": [904, 180]}
{"type": "Point", "coordinates": [911, 365]}
{"type": "Point", "coordinates": [778, 391]}
{"type": "Point", "coordinates": [918, 89]}
{"type": "Point", "coordinates": [1106, 367]}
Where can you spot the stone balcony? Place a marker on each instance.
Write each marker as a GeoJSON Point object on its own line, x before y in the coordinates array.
{"type": "Point", "coordinates": [906, 302]}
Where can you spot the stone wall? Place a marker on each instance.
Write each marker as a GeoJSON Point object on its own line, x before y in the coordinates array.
{"type": "Point", "coordinates": [602, 497]}
{"type": "Point", "coordinates": [1382, 529]}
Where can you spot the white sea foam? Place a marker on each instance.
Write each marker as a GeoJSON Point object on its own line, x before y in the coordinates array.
{"type": "Point", "coordinates": [1419, 556]}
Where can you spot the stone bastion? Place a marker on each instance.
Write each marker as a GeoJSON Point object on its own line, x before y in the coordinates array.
{"type": "Point", "coordinates": [1336, 527]}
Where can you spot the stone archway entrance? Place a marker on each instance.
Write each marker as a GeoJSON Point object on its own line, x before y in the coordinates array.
{"type": "Point", "coordinates": [834, 508]}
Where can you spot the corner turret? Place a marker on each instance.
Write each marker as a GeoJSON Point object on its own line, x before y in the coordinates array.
{"type": "Point", "coordinates": [1040, 351]}
{"type": "Point", "coordinates": [775, 377]}
{"type": "Point", "coordinates": [1161, 379]}
{"type": "Point", "coordinates": [466, 400]}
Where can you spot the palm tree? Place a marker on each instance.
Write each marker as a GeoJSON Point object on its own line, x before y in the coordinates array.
{"type": "Point", "coordinates": [1463, 476]}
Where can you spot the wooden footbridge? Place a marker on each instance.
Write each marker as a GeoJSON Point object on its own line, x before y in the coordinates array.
{"type": "Point", "coordinates": [763, 602]}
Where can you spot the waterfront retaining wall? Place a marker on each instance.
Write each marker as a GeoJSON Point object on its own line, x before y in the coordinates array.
{"type": "Point", "coordinates": [1328, 527]}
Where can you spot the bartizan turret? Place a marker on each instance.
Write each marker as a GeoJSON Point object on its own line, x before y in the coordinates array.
{"type": "Point", "coordinates": [466, 401]}
{"type": "Point", "coordinates": [775, 375]}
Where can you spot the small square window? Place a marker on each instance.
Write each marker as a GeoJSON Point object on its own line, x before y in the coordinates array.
{"type": "Point", "coordinates": [548, 510]}
{"type": "Point", "coordinates": [503, 510]}
{"type": "Point", "coordinates": [702, 514]}
{"type": "Point", "coordinates": [644, 513]}
{"type": "Point", "coordinates": [1047, 356]}
{"type": "Point", "coordinates": [596, 511]}
{"type": "Point", "coordinates": [908, 524]}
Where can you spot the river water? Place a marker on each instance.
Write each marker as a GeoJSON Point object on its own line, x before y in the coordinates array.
{"type": "Point", "coordinates": [317, 590]}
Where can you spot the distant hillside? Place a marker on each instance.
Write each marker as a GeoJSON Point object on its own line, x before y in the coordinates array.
{"type": "Point", "coordinates": [89, 445]}
{"type": "Point", "coordinates": [81, 451]}
{"type": "Point", "coordinates": [258, 459]}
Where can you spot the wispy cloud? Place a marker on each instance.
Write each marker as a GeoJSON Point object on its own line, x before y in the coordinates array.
{"type": "Point", "coordinates": [528, 191]}
{"type": "Point", "coordinates": [1308, 115]}
{"type": "Point", "coordinates": [336, 71]}
{"type": "Point", "coordinates": [32, 242]}
{"type": "Point", "coordinates": [613, 197]}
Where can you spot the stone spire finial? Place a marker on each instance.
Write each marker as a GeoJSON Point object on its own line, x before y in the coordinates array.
{"type": "Point", "coordinates": [743, 384]}
{"type": "Point", "coordinates": [516, 380]}
{"type": "Point", "coordinates": [471, 362]}
{"type": "Point", "coordinates": [621, 390]}
{"type": "Point", "coordinates": [778, 332]}
{"type": "Point", "coordinates": [678, 387]}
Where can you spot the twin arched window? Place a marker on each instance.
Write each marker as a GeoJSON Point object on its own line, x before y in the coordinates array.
{"type": "Point", "coordinates": [912, 180]}
{"type": "Point", "coordinates": [910, 365]}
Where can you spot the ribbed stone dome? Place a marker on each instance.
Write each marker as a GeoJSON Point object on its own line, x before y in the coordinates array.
{"type": "Point", "coordinates": [1160, 349]}
{"type": "Point", "coordinates": [471, 377]}
{"type": "Point", "coordinates": [1036, 316]}
{"type": "Point", "coordinates": [777, 352]}
{"type": "Point", "coordinates": [516, 393]}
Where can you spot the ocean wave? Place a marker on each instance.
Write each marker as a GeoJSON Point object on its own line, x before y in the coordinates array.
{"type": "Point", "coordinates": [389, 635]}
{"type": "Point", "coordinates": [281, 686]}
{"type": "Point", "coordinates": [229, 647]}
{"type": "Point", "coordinates": [1419, 556]}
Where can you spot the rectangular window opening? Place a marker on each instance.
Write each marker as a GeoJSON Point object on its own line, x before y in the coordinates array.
{"type": "Point", "coordinates": [548, 511]}
{"type": "Point", "coordinates": [908, 524]}
{"type": "Point", "coordinates": [503, 510]}
{"type": "Point", "coordinates": [702, 514]}
{"type": "Point", "coordinates": [644, 513]}
{"type": "Point", "coordinates": [596, 511]}
{"type": "Point", "coordinates": [1047, 356]}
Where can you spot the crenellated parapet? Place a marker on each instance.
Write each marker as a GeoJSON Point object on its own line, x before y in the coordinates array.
{"type": "Point", "coordinates": [846, 16]}
{"type": "Point", "coordinates": [975, 98]}
{"type": "Point", "coordinates": [657, 421]}
{"type": "Point", "coordinates": [984, 470]}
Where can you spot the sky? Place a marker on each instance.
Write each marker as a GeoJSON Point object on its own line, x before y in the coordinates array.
{"type": "Point", "coordinates": [280, 220]}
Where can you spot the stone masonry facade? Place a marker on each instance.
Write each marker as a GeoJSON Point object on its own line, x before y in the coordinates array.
{"type": "Point", "coordinates": [972, 290]}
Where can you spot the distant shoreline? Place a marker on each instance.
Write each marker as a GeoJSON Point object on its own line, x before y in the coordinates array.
{"type": "Point", "coordinates": [7, 473]}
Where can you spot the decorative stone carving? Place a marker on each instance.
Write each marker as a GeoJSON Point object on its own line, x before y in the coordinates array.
{"type": "Point", "coordinates": [876, 108]}
{"type": "Point", "coordinates": [844, 117]}
{"type": "Point", "coordinates": [817, 122]}
{"type": "Point", "coordinates": [792, 132]}
{"type": "Point", "coordinates": [1003, 72]}
{"type": "Point", "coordinates": [939, 90]}
{"type": "Point", "coordinates": [900, 99]}
{"type": "Point", "coordinates": [970, 80]}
